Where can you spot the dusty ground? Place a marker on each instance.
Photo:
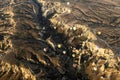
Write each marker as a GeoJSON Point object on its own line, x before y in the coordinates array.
{"type": "Point", "coordinates": [64, 40]}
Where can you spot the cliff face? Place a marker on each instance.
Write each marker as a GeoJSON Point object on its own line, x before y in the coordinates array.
{"type": "Point", "coordinates": [50, 40]}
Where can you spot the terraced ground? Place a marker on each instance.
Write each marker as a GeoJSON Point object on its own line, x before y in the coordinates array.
{"type": "Point", "coordinates": [59, 40]}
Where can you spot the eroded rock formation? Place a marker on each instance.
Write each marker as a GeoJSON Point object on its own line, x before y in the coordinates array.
{"type": "Point", "coordinates": [50, 40]}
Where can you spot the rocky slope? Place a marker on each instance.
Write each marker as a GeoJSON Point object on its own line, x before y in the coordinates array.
{"type": "Point", "coordinates": [51, 40]}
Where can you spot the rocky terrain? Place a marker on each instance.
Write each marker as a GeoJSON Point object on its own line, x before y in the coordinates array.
{"type": "Point", "coordinates": [59, 40]}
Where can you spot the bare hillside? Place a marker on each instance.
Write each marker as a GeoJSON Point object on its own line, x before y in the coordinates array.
{"type": "Point", "coordinates": [59, 40]}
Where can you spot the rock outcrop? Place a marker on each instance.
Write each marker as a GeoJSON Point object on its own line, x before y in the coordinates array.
{"type": "Point", "coordinates": [51, 40]}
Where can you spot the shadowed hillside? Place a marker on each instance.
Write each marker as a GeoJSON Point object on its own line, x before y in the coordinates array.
{"type": "Point", "coordinates": [59, 40]}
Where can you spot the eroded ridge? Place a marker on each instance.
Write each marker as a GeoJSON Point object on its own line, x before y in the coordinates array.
{"type": "Point", "coordinates": [42, 40]}
{"type": "Point", "coordinates": [92, 54]}
{"type": "Point", "coordinates": [25, 52]}
{"type": "Point", "coordinates": [20, 34]}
